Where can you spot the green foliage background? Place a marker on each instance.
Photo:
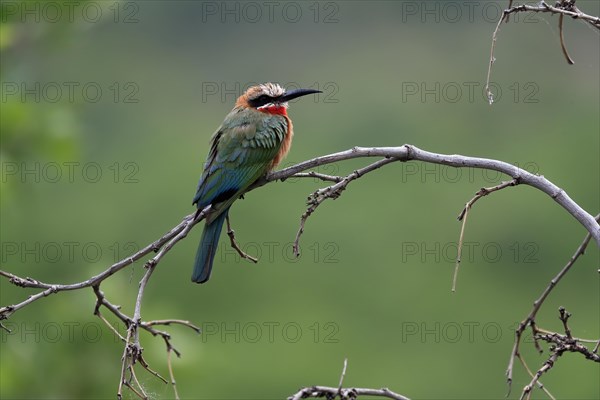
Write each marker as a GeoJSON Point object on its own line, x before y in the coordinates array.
{"type": "Point", "coordinates": [373, 281]}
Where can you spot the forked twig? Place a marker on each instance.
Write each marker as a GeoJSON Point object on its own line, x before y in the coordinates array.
{"type": "Point", "coordinates": [333, 192]}
{"type": "Point", "coordinates": [132, 352]}
{"type": "Point", "coordinates": [463, 217]}
{"type": "Point", "coordinates": [562, 8]}
{"type": "Point", "coordinates": [560, 344]}
{"type": "Point", "coordinates": [530, 319]}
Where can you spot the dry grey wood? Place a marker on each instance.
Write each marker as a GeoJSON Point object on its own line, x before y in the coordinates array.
{"type": "Point", "coordinates": [562, 8]}
{"type": "Point", "coordinates": [409, 152]}
{"type": "Point", "coordinates": [133, 350]}
{"type": "Point", "coordinates": [530, 320]}
{"type": "Point", "coordinates": [328, 392]}
{"type": "Point", "coordinates": [401, 153]}
{"type": "Point", "coordinates": [332, 393]}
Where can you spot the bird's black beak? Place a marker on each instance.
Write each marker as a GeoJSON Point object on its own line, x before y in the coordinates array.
{"type": "Point", "coordinates": [293, 94]}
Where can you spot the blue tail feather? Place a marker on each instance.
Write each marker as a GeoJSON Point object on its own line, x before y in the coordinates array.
{"type": "Point", "coordinates": [208, 248]}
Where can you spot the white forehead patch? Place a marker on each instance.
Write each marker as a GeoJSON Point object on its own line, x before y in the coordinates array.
{"type": "Point", "coordinates": [272, 89]}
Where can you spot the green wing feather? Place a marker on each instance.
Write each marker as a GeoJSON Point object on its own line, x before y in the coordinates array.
{"type": "Point", "coordinates": [241, 151]}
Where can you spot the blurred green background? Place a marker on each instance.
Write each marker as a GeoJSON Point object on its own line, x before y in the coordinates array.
{"type": "Point", "coordinates": [106, 112]}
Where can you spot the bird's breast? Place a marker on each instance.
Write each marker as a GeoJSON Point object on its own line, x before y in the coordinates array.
{"type": "Point", "coordinates": [286, 144]}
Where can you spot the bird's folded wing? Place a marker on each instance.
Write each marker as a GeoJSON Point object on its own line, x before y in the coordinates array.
{"type": "Point", "coordinates": [239, 155]}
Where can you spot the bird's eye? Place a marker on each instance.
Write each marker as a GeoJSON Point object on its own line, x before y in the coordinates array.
{"type": "Point", "coordinates": [260, 100]}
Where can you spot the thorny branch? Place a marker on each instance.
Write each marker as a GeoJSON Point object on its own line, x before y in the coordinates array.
{"type": "Point", "coordinates": [564, 8]}
{"type": "Point", "coordinates": [133, 351]}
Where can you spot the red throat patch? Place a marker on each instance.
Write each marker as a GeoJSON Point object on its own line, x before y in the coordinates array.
{"type": "Point", "coordinates": [277, 109]}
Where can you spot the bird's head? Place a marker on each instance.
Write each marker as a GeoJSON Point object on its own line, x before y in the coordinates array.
{"type": "Point", "coordinates": [270, 98]}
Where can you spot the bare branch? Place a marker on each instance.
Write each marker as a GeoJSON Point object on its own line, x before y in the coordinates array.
{"type": "Point", "coordinates": [560, 344]}
{"type": "Point", "coordinates": [569, 345]}
{"type": "Point", "coordinates": [547, 365]}
{"type": "Point", "coordinates": [530, 319]}
{"type": "Point", "coordinates": [463, 216]}
{"type": "Point", "coordinates": [484, 192]}
{"type": "Point", "coordinates": [333, 192]}
{"type": "Point", "coordinates": [562, 8]}
{"type": "Point", "coordinates": [409, 152]}
{"type": "Point", "coordinates": [344, 394]}
{"type": "Point", "coordinates": [532, 375]}
{"type": "Point", "coordinates": [133, 350]}
{"type": "Point", "coordinates": [50, 288]}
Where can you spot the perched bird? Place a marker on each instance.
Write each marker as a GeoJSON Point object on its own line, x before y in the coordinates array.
{"type": "Point", "coordinates": [253, 139]}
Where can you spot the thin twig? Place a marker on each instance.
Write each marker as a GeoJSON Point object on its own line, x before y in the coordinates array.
{"type": "Point", "coordinates": [133, 349]}
{"type": "Point", "coordinates": [547, 365]}
{"type": "Point", "coordinates": [542, 331]}
{"type": "Point", "coordinates": [484, 192]}
{"type": "Point", "coordinates": [563, 8]}
{"type": "Point", "coordinates": [142, 395]}
{"type": "Point", "coordinates": [318, 175]}
{"type": "Point", "coordinates": [343, 375]}
{"type": "Point", "coordinates": [560, 345]}
{"type": "Point", "coordinates": [171, 375]}
{"type": "Point", "coordinates": [112, 328]}
{"type": "Point", "coordinates": [50, 288]}
{"type": "Point", "coordinates": [530, 319]}
{"type": "Point", "coordinates": [234, 243]}
{"type": "Point", "coordinates": [463, 216]}
{"type": "Point", "coordinates": [102, 301]}
{"type": "Point", "coordinates": [171, 322]}
{"type": "Point", "coordinates": [488, 92]}
{"type": "Point", "coordinates": [538, 383]}
{"type": "Point", "coordinates": [562, 40]}
{"type": "Point", "coordinates": [124, 364]}
{"type": "Point", "coordinates": [146, 366]}
{"type": "Point", "coordinates": [333, 192]}
{"type": "Point", "coordinates": [564, 318]}
{"type": "Point", "coordinates": [140, 390]}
